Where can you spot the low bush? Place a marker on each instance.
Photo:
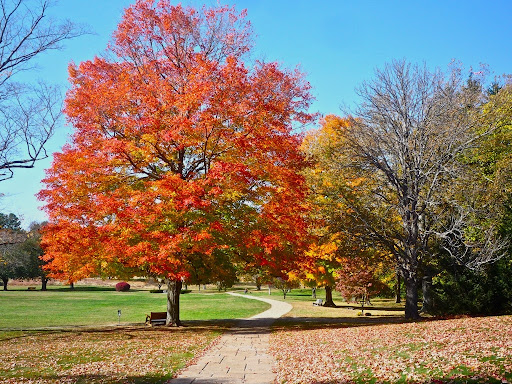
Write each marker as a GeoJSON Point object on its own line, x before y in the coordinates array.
{"type": "Point", "coordinates": [122, 286]}
{"type": "Point", "coordinates": [488, 291]}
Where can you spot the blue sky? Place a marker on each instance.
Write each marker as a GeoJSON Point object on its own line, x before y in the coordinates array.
{"type": "Point", "coordinates": [338, 44]}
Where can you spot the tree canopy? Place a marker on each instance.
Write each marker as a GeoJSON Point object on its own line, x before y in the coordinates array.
{"type": "Point", "coordinates": [180, 153]}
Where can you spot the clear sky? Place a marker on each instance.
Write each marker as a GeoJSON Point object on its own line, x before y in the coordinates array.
{"type": "Point", "coordinates": [338, 43]}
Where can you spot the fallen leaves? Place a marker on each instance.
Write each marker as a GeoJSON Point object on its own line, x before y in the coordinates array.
{"type": "Point", "coordinates": [477, 349]}
{"type": "Point", "coordinates": [109, 356]}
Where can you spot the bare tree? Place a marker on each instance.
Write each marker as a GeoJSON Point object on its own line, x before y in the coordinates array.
{"type": "Point", "coordinates": [28, 113]}
{"type": "Point", "coordinates": [411, 129]}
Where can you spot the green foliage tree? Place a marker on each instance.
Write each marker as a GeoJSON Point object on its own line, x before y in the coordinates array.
{"type": "Point", "coordinates": [285, 284]}
{"type": "Point", "coordinates": [486, 289]}
{"type": "Point", "coordinates": [32, 253]}
{"type": "Point", "coordinates": [10, 221]}
{"type": "Point", "coordinates": [12, 261]}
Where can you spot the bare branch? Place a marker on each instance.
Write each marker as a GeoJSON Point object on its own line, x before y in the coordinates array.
{"type": "Point", "coordinates": [28, 114]}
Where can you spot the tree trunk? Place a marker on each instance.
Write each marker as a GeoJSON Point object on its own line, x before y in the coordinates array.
{"type": "Point", "coordinates": [72, 286]}
{"type": "Point", "coordinates": [44, 282]}
{"type": "Point", "coordinates": [173, 303]}
{"type": "Point", "coordinates": [328, 297]}
{"type": "Point", "coordinates": [284, 294]}
{"type": "Point", "coordinates": [5, 280]}
{"type": "Point", "coordinates": [428, 304]}
{"type": "Point", "coordinates": [313, 293]}
{"type": "Point", "coordinates": [398, 286]}
{"type": "Point", "coordinates": [411, 298]}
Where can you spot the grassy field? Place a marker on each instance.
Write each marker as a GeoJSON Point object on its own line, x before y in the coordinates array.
{"type": "Point", "coordinates": [305, 315]}
{"type": "Point", "coordinates": [40, 342]}
{"type": "Point", "coordinates": [98, 306]}
{"type": "Point", "coordinates": [310, 344]}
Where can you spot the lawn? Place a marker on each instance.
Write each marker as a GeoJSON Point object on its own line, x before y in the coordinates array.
{"type": "Point", "coordinates": [311, 345]}
{"type": "Point", "coordinates": [38, 344]}
{"type": "Point", "coordinates": [306, 315]}
{"type": "Point", "coordinates": [98, 306]}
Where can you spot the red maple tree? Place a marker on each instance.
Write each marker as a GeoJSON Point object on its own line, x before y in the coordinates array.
{"type": "Point", "coordinates": [181, 152]}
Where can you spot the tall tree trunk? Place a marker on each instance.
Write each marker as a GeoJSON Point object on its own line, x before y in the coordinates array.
{"type": "Point", "coordinates": [5, 280]}
{"type": "Point", "coordinates": [398, 287]}
{"type": "Point", "coordinates": [328, 297]}
{"type": "Point", "coordinates": [428, 304]}
{"type": "Point", "coordinates": [72, 286]}
{"type": "Point", "coordinates": [173, 303]}
{"type": "Point", "coordinates": [411, 297]}
{"type": "Point", "coordinates": [44, 283]}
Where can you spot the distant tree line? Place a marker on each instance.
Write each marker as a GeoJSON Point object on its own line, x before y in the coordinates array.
{"type": "Point", "coordinates": [20, 251]}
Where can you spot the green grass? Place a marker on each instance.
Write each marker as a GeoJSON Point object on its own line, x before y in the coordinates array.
{"type": "Point", "coordinates": [306, 315]}
{"type": "Point", "coordinates": [98, 306]}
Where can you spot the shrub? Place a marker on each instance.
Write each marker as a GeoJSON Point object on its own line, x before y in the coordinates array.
{"type": "Point", "coordinates": [458, 290]}
{"type": "Point", "coordinates": [122, 286]}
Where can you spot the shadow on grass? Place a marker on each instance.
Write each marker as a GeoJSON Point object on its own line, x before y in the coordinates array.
{"type": "Point", "coordinates": [104, 379]}
{"type": "Point", "coordinates": [223, 325]}
{"type": "Point", "coordinates": [87, 289]}
{"type": "Point", "coordinates": [304, 323]}
{"type": "Point", "coordinates": [219, 326]}
{"type": "Point", "coordinates": [157, 379]}
{"type": "Point", "coordinates": [482, 379]}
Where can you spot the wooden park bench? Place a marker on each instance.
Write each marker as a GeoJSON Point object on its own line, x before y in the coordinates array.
{"type": "Point", "coordinates": [318, 302]}
{"type": "Point", "coordinates": [156, 318]}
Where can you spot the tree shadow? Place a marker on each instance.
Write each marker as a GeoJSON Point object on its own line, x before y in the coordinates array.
{"type": "Point", "coordinates": [104, 379]}
{"type": "Point", "coordinates": [158, 379]}
{"type": "Point", "coordinates": [82, 288]}
{"type": "Point", "coordinates": [216, 326]}
{"type": "Point", "coordinates": [306, 323]}
{"type": "Point", "coordinates": [482, 379]}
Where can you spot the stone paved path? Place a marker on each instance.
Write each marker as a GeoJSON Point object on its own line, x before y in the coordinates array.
{"type": "Point", "coordinates": [240, 356]}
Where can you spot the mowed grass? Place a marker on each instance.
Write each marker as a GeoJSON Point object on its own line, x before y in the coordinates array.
{"type": "Point", "coordinates": [311, 344]}
{"type": "Point", "coordinates": [40, 343]}
{"type": "Point", "coordinates": [305, 315]}
{"type": "Point", "coordinates": [98, 306]}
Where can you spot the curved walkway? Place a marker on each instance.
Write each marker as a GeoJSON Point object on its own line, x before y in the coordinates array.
{"type": "Point", "coordinates": [240, 356]}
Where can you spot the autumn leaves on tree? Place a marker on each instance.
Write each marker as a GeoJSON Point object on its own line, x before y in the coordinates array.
{"type": "Point", "coordinates": [186, 164]}
{"type": "Point", "coordinates": [180, 152]}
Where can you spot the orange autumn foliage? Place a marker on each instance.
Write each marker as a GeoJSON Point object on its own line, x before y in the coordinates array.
{"type": "Point", "coordinates": [180, 152]}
